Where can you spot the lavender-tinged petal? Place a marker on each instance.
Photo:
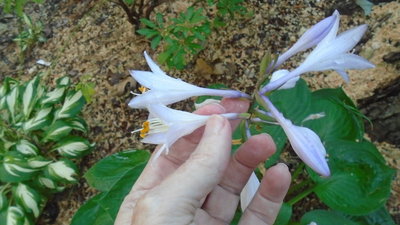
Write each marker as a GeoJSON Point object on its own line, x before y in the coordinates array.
{"type": "Point", "coordinates": [157, 138]}
{"type": "Point", "coordinates": [157, 97]}
{"type": "Point", "coordinates": [249, 191]}
{"type": "Point", "coordinates": [332, 33]}
{"type": "Point", "coordinates": [173, 115]}
{"type": "Point", "coordinates": [288, 84]}
{"type": "Point", "coordinates": [223, 93]}
{"type": "Point", "coordinates": [344, 75]}
{"type": "Point", "coordinates": [309, 148]}
{"type": "Point", "coordinates": [346, 41]}
{"type": "Point", "coordinates": [310, 38]}
{"type": "Point", "coordinates": [153, 66]}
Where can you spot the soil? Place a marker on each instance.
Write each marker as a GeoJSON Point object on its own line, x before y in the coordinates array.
{"type": "Point", "coordinates": [94, 38]}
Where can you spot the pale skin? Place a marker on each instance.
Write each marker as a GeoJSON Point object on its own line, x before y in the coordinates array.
{"type": "Point", "coordinates": [199, 181]}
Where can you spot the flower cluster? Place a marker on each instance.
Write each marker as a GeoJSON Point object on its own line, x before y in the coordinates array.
{"type": "Point", "coordinates": [166, 125]}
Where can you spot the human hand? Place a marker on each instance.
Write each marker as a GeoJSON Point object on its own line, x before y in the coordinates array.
{"type": "Point", "coordinates": [199, 182]}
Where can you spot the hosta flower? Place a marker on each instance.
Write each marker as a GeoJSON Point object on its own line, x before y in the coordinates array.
{"type": "Point", "coordinates": [166, 125]}
{"type": "Point", "coordinates": [332, 53]}
{"type": "Point", "coordinates": [310, 38]}
{"type": "Point", "coordinates": [305, 142]}
{"type": "Point", "coordinates": [249, 190]}
{"type": "Point", "coordinates": [163, 89]}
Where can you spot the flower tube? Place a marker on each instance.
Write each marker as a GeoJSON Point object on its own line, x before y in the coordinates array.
{"type": "Point", "coordinates": [305, 142]}
{"type": "Point", "coordinates": [330, 54]}
{"type": "Point", "coordinates": [165, 125]}
{"type": "Point", "coordinates": [166, 90]}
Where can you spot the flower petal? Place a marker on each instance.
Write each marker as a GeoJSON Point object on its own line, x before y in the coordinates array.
{"type": "Point", "coordinates": [153, 66]}
{"type": "Point", "coordinates": [281, 73]}
{"type": "Point", "coordinates": [249, 191]}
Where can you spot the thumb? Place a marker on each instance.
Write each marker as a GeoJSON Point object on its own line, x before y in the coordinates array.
{"type": "Point", "coordinates": [203, 170]}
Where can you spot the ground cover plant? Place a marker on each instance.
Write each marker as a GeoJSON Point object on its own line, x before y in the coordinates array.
{"type": "Point", "coordinates": [41, 139]}
{"type": "Point", "coordinates": [325, 129]}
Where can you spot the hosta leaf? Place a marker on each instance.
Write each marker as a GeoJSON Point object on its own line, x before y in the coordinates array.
{"type": "Point", "coordinates": [63, 81]}
{"type": "Point", "coordinates": [47, 182]}
{"type": "Point", "coordinates": [26, 148]}
{"type": "Point", "coordinates": [15, 171]}
{"type": "Point", "coordinates": [28, 198]}
{"type": "Point", "coordinates": [360, 181]}
{"type": "Point", "coordinates": [11, 101]}
{"type": "Point", "coordinates": [57, 130]}
{"type": "Point", "coordinates": [325, 217]}
{"type": "Point", "coordinates": [14, 216]}
{"type": "Point", "coordinates": [53, 96]}
{"type": "Point", "coordinates": [77, 123]}
{"type": "Point", "coordinates": [40, 120]}
{"type": "Point", "coordinates": [29, 96]}
{"type": "Point", "coordinates": [3, 200]}
{"type": "Point", "coordinates": [63, 170]}
{"type": "Point", "coordinates": [38, 162]}
{"type": "Point", "coordinates": [73, 103]}
{"type": "Point", "coordinates": [72, 146]}
{"type": "Point", "coordinates": [103, 208]}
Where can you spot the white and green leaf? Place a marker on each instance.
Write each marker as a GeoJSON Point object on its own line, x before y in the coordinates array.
{"type": "Point", "coordinates": [54, 96]}
{"type": "Point", "coordinates": [15, 216]}
{"type": "Point", "coordinates": [38, 162]}
{"type": "Point", "coordinates": [78, 123]}
{"type": "Point", "coordinates": [63, 170]}
{"type": "Point", "coordinates": [57, 130]}
{"type": "Point", "coordinates": [28, 198]}
{"type": "Point", "coordinates": [46, 182]}
{"type": "Point", "coordinates": [11, 101]}
{"type": "Point", "coordinates": [26, 148]}
{"type": "Point", "coordinates": [73, 146]}
{"type": "Point", "coordinates": [40, 120]}
{"type": "Point", "coordinates": [63, 81]}
{"type": "Point", "coordinates": [73, 103]}
{"type": "Point", "coordinates": [29, 96]}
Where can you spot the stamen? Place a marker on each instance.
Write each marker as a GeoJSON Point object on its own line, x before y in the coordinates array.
{"type": "Point", "coordinates": [151, 126]}
{"type": "Point", "coordinates": [143, 89]}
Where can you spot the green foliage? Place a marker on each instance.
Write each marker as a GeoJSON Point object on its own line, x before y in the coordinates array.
{"type": "Point", "coordinates": [32, 34]}
{"type": "Point", "coordinates": [365, 5]}
{"type": "Point", "coordinates": [183, 37]}
{"type": "Point", "coordinates": [40, 128]}
{"type": "Point", "coordinates": [16, 6]}
{"type": "Point", "coordinates": [86, 87]}
{"type": "Point", "coordinates": [114, 176]}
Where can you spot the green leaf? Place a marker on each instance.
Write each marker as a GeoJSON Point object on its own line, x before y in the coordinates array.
{"type": "Point", "coordinates": [148, 23]}
{"type": "Point", "coordinates": [325, 217]}
{"type": "Point", "coordinates": [14, 168]}
{"type": "Point", "coordinates": [360, 181]}
{"type": "Point", "coordinates": [56, 131]}
{"type": "Point", "coordinates": [73, 104]}
{"type": "Point", "coordinates": [73, 146]}
{"type": "Point", "coordinates": [103, 208]}
{"type": "Point", "coordinates": [378, 217]}
{"type": "Point", "coordinates": [3, 201]}
{"type": "Point", "coordinates": [63, 81]}
{"type": "Point", "coordinates": [341, 120]}
{"type": "Point", "coordinates": [155, 42]}
{"type": "Point", "coordinates": [14, 216]}
{"type": "Point", "coordinates": [284, 215]}
{"type": "Point", "coordinates": [77, 123]}
{"type": "Point", "coordinates": [11, 101]}
{"type": "Point", "coordinates": [148, 33]}
{"type": "Point", "coordinates": [106, 173]}
{"type": "Point", "coordinates": [365, 5]}
{"type": "Point", "coordinates": [26, 148]}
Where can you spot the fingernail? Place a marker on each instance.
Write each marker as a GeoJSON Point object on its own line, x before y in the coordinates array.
{"type": "Point", "coordinates": [282, 166]}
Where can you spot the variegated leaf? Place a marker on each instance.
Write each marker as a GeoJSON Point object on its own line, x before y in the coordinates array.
{"type": "Point", "coordinates": [73, 103]}
{"type": "Point", "coordinates": [29, 96]}
{"type": "Point", "coordinates": [63, 81]}
{"type": "Point", "coordinates": [11, 101]}
{"type": "Point", "coordinates": [54, 96]}
{"type": "Point", "coordinates": [73, 147]}
{"type": "Point", "coordinates": [38, 162]}
{"type": "Point", "coordinates": [26, 148]}
{"type": "Point", "coordinates": [78, 123]}
{"type": "Point", "coordinates": [57, 130]}
{"type": "Point", "coordinates": [46, 182]}
{"type": "Point", "coordinates": [18, 170]}
{"type": "Point", "coordinates": [39, 121]}
{"type": "Point", "coordinates": [3, 200]}
{"type": "Point", "coordinates": [63, 170]}
{"type": "Point", "coordinates": [28, 198]}
{"type": "Point", "coordinates": [15, 216]}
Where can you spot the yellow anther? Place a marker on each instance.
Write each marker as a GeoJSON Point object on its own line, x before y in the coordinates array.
{"type": "Point", "coordinates": [237, 141]}
{"type": "Point", "coordinates": [143, 89]}
{"type": "Point", "coordinates": [145, 129]}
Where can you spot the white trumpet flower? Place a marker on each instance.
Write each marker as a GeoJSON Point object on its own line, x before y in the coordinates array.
{"type": "Point", "coordinates": [165, 125]}
{"type": "Point", "coordinates": [163, 89]}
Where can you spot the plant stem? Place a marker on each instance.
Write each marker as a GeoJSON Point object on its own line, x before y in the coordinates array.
{"type": "Point", "coordinates": [298, 171]}
{"type": "Point", "coordinates": [298, 186]}
{"type": "Point", "coordinates": [300, 196]}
